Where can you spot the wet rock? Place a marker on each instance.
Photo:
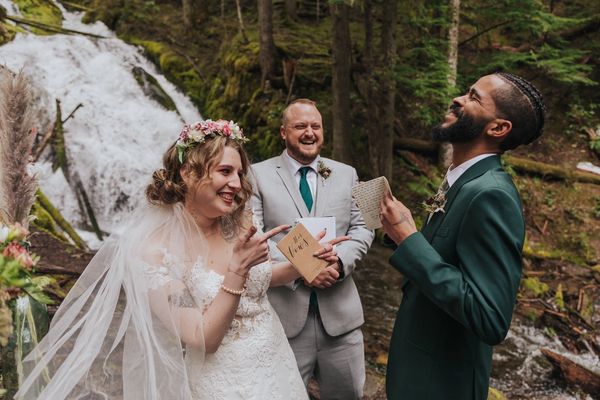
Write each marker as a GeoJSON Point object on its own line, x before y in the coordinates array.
{"type": "Point", "coordinates": [152, 88]}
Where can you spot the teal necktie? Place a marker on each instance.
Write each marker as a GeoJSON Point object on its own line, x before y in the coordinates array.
{"type": "Point", "coordinates": [305, 189]}
{"type": "Point", "coordinates": [308, 200]}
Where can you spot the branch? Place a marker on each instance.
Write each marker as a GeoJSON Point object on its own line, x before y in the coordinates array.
{"type": "Point", "coordinates": [60, 220]}
{"type": "Point", "coordinates": [552, 171]}
{"type": "Point", "coordinates": [519, 164]}
{"type": "Point", "coordinates": [50, 28]}
{"type": "Point", "coordinates": [72, 112]}
{"type": "Point", "coordinates": [486, 30]}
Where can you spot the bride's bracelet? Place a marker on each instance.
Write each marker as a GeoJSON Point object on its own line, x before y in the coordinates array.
{"type": "Point", "coordinates": [236, 292]}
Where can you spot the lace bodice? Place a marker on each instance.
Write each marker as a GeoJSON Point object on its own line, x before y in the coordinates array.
{"type": "Point", "coordinates": [204, 285]}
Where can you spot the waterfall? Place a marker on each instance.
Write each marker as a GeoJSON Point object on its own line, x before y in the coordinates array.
{"type": "Point", "coordinates": [116, 139]}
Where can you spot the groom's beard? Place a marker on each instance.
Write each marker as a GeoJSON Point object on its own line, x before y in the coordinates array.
{"type": "Point", "coordinates": [463, 130]}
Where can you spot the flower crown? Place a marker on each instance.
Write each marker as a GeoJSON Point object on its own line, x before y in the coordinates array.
{"type": "Point", "coordinates": [190, 135]}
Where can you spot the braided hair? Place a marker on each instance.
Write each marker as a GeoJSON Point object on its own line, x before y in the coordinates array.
{"type": "Point", "coordinates": [522, 104]}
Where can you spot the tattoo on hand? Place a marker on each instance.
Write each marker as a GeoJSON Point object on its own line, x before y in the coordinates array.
{"type": "Point", "coordinates": [403, 219]}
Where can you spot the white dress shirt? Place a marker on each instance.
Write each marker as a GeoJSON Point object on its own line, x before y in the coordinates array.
{"type": "Point", "coordinates": [455, 172]}
{"type": "Point", "coordinates": [311, 176]}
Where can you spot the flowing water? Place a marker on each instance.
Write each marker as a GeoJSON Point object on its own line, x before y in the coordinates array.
{"type": "Point", "coordinates": [115, 140]}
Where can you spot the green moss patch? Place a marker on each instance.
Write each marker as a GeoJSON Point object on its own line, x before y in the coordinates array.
{"type": "Point", "coordinates": [40, 11]}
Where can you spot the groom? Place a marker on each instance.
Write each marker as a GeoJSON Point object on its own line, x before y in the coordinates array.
{"type": "Point", "coordinates": [322, 319]}
{"type": "Point", "coordinates": [463, 269]}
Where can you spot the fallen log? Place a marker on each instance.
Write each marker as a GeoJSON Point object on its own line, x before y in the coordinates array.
{"type": "Point", "coordinates": [58, 143]}
{"type": "Point", "coordinates": [552, 171]}
{"type": "Point", "coordinates": [50, 28]}
{"type": "Point", "coordinates": [574, 373]}
{"type": "Point", "coordinates": [422, 146]}
{"type": "Point", "coordinates": [76, 6]}
{"type": "Point", "coordinates": [58, 218]}
{"type": "Point", "coordinates": [85, 205]}
{"type": "Point", "coordinates": [519, 164]}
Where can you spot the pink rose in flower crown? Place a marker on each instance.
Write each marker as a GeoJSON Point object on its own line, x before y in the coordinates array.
{"type": "Point", "coordinates": [225, 128]}
{"type": "Point", "coordinates": [18, 252]}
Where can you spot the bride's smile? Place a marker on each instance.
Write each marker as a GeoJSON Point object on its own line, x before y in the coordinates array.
{"type": "Point", "coordinates": [214, 196]}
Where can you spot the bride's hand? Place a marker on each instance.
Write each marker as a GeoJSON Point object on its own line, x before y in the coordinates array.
{"type": "Point", "coordinates": [251, 249]}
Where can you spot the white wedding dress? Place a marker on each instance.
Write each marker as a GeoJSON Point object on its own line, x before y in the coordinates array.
{"type": "Point", "coordinates": [254, 361]}
{"type": "Point", "coordinates": [120, 332]}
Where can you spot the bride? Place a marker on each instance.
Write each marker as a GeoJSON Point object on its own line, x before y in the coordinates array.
{"type": "Point", "coordinates": [176, 307]}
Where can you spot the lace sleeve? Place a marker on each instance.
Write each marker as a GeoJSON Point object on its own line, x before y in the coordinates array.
{"type": "Point", "coordinates": [119, 332]}
{"type": "Point", "coordinates": [170, 299]}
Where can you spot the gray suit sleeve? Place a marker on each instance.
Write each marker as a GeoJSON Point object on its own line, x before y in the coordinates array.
{"type": "Point", "coordinates": [354, 249]}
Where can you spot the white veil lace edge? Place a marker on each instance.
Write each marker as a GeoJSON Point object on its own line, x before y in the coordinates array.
{"type": "Point", "coordinates": [119, 332]}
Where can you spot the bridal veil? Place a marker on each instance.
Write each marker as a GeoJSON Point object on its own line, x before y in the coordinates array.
{"type": "Point", "coordinates": [118, 334]}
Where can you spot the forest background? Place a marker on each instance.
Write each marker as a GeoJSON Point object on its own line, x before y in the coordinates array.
{"type": "Point", "coordinates": [383, 73]}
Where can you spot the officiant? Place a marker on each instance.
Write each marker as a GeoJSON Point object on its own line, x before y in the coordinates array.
{"type": "Point", "coordinates": [321, 319]}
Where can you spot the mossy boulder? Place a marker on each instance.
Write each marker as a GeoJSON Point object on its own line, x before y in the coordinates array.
{"type": "Point", "coordinates": [42, 11]}
{"type": "Point", "coordinates": [176, 67]}
{"type": "Point", "coordinates": [535, 287]}
{"type": "Point", "coordinates": [152, 88]}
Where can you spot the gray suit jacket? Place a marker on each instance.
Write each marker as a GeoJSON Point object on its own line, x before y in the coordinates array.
{"type": "Point", "coordinates": [277, 201]}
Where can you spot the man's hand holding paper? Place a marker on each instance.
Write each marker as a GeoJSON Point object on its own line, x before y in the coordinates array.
{"type": "Point", "coordinates": [368, 196]}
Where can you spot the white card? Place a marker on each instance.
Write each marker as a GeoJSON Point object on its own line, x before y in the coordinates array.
{"type": "Point", "coordinates": [368, 196]}
{"type": "Point", "coordinates": [315, 225]}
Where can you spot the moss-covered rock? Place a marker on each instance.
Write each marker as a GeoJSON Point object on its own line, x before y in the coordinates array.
{"type": "Point", "coordinates": [40, 11]}
{"type": "Point", "coordinates": [177, 68]}
{"type": "Point", "coordinates": [152, 88]}
{"type": "Point", "coordinates": [534, 287]}
{"type": "Point", "coordinates": [7, 32]}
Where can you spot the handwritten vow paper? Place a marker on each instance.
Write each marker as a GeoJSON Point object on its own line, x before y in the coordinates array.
{"type": "Point", "coordinates": [298, 246]}
{"type": "Point", "coordinates": [368, 196]}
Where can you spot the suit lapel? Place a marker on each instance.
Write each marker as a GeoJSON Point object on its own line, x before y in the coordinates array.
{"type": "Point", "coordinates": [473, 172]}
{"type": "Point", "coordinates": [323, 191]}
{"type": "Point", "coordinates": [289, 182]}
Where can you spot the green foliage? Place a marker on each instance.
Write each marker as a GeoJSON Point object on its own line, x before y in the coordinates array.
{"type": "Point", "coordinates": [534, 287]}
{"type": "Point", "coordinates": [529, 38]}
{"type": "Point", "coordinates": [422, 65]}
{"type": "Point", "coordinates": [581, 115]}
{"type": "Point", "coordinates": [153, 89]}
{"type": "Point", "coordinates": [559, 299]}
{"type": "Point", "coordinates": [596, 211]}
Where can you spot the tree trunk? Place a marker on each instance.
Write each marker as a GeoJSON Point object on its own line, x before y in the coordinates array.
{"type": "Point", "coordinates": [370, 105]}
{"type": "Point", "coordinates": [241, 20]}
{"type": "Point", "coordinates": [341, 52]}
{"type": "Point", "coordinates": [387, 90]}
{"type": "Point", "coordinates": [266, 55]}
{"type": "Point", "coordinates": [188, 7]}
{"type": "Point", "coordinates": [291, 9]}
{"type": "Point", "coordinates": [445, 154]}
{"type": "Point", "coordinates": [574, 373]}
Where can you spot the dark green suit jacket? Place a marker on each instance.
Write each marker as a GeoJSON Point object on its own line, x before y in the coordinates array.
{"type": "Point", "coordinates": [462, 273]}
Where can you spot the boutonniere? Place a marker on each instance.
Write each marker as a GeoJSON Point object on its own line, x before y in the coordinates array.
{"type": "Point", "coordinates": [323, 170]}
{"type": "Point", "coordinates": [435, 203]}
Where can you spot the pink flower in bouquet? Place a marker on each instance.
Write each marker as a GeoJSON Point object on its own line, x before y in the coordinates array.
{"type": "Point", "coordinates": [18, 252]}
